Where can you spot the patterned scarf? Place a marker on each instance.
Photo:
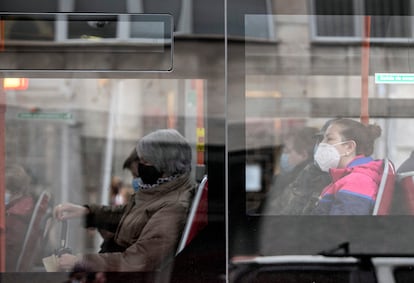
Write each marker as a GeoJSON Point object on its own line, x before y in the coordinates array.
{"type": "Point", "coordinates": [160, 181]}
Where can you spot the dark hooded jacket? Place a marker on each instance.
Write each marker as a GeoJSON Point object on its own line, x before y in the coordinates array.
{"type": "Point", "coordinates": [300, 196]}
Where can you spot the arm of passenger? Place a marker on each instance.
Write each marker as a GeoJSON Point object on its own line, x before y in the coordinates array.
{"type": "Point", "coordinates": [104, 217]}
{"type": "Point", "coordinates": [156, 243]}
{"type": "Point", "coordinates": [351, 203]}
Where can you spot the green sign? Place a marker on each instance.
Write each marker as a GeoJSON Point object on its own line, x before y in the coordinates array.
{"type": "Point", "coordinates": [394, 78]}
{"type": "Point", "coordinates": [45, 116]}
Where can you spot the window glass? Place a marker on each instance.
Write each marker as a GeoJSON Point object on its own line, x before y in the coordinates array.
{"type": "Point", "coordinates": [295, 86]}
{"type": "Point", "coordinates": [80, 83]}
{"type": "Point", "coordinates": [72, 137]}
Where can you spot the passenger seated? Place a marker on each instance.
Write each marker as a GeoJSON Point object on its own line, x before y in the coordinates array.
{"type": "Point", "coordinates": [19, 207]}
{"type": "Point", "coordinates": [147, 228]}
{"type": "Point", "coordinates": [345, 153]}
{"type": "Point", "coordinates": [297, 188]}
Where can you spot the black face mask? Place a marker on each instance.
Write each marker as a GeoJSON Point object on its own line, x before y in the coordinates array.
{"type": "Point", "coordinates": [148, 173]}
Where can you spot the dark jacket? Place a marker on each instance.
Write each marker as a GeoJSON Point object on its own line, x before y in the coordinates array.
{"type": "Point", "coordinates": [353, 190]}
{"type": "Point", "coordinates": [148, 228]}
{"type": "Point", "coordinates": [300, 195]}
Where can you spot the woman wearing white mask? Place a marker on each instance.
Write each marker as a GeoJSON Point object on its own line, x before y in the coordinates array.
{"type": "Point", "coordinates": [345, 153]}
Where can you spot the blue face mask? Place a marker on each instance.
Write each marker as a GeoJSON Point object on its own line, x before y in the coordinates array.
{"type": "Point", "coordinates": [284, 163]}
{"type": "Point", "coordinates": [136, 183]}
{"type": "Point", "coordinates": [7, 197]}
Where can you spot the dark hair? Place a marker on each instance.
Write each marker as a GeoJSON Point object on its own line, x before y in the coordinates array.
{"type": "Point", "coordinates": [363, 135]}
{"type": "Point", "coordinates": [319, 136]}
{"type": "Point", "coordinates": [133, 157]}
{"type": "Point", "coordinates": [17, 179]}
{"type": "Point", "coordinates": [116, 185]}
{"type": "Point", "coordinates": [303, 139]}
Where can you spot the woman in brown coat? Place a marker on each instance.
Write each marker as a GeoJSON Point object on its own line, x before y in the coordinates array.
{"type": "Point", "coordinates": [148, 228]}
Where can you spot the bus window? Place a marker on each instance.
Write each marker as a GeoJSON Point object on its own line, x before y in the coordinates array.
{"type": "Point", "coordinates": [79, 90]}
{"type": "Point", "coordinates": [317, 72]}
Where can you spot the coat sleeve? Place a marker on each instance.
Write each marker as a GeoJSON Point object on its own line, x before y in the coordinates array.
{"type": "Point", "coordinates": [156, 243]}
{"type": "Point", "coordinates": [104, 217]}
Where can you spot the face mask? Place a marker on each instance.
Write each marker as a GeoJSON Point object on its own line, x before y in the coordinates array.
{"type": "Point", "coordinates": [7, 198]}
{"type": "Point", "coordinates": [148, 173]}
{"type": "Point", "coordinates": [136, 182]}
{"type": "Point", "coordinates": [327, 156]}
{"type": "Point", "coordinates": [285, 167]}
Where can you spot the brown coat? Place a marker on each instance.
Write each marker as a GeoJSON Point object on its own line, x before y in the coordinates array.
{"type": "Point", "coordinates": [149, 227]}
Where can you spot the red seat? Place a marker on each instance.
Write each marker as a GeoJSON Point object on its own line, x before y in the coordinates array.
{"type": "Point", "coordinates": [34, 233]}
{"type": "Point", "coordinates": [386, 190]}
{"type": "Point", "coordinates": [198, 216]}
{"type": "Point", "coordinates": [405, 182]}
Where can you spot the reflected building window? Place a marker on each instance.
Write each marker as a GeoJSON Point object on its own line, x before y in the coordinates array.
{"type": "Point", "coordinates": [343, 20]}
{"type": "Point", "coordinates": [250, 20]}
{"type": "Point", "coordinates": [29, 28]}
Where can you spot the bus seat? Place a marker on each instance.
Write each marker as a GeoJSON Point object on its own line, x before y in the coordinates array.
{"type": "Point", "coordinates": [405, 183]}
{"type": "Point", "coordinates": [34, 233]}
{"type": "Point", "coordinates": [385, 190]}
{"type": "Point", "coordinates": [198, 215]}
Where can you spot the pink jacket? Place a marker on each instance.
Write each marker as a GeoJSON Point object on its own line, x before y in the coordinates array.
{"type": "Point", "coordinates": [353, 190]}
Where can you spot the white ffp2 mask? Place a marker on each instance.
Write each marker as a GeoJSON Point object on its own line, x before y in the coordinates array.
{"type": "Point", "coordinates": [327, 156]}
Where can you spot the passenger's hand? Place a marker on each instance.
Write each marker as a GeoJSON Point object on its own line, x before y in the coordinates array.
{"type": "Point", "coordinates": [69, 210]}
{"type": "Point", "coordinates": [66, 261]}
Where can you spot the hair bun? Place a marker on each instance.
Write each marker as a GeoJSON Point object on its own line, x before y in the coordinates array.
{"type": "Point", "coordinates": [374, 131]}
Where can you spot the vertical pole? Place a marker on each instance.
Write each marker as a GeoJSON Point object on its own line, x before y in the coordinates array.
{"type": "Point", "coordinates": [2, 182]}
{"type": "Point", "coordinates": [115, 92]}
{"type": "Point", "coordinates": [171, 112]}
{"type": "Point", "coordinates": [365, 70]}
{"type": "Point", "coordinates": [199, 85]}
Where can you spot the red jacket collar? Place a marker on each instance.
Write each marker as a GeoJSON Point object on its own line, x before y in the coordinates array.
{"type": "Point", "coordinates": [375, 167]}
